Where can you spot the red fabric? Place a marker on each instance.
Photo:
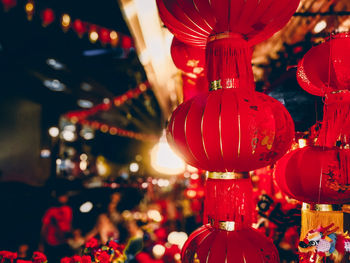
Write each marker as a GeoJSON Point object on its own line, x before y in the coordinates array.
{"type": "Point", "coordinates": [218, 246]}
{"type": "Point", "coordinates": [193, 21]}
{"type": "Point", "coordinates": [224, 130]}
{"type": "Point", "coordinates": [229, 200]}
{"type": "Point", "coordinates": [315, 175]}
{"type": "Point", "coordinates": [57, 222]}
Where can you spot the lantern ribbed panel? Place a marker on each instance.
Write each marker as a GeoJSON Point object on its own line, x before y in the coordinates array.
{"type": "Point", "coordinates": [225, 131]}
{"type": "Point", "coordinates": [193, 21]}
{"type": "Point", "coordinates": [211, 245]}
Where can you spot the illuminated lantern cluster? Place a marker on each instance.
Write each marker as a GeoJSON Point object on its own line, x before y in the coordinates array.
{"type": "Point", "coordinates": [320, 174]}
{"type": "Point", "coordinates": [232, 129]}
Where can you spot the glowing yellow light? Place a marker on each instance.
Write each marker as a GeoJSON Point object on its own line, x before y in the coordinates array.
{"type": "Point", "coordinates": [29, 7]}
{"type": "Point", "coordinates": [113, 35]}
{"type": "Point", "coordinates": [104, 128]}
{"type": "Point", "coordinates": [65, 20]}
{"type": "Point", "coordinates": [302, 143]}
{"type": "Point", "coordinates": [164, 160]}
{"type": "Point", "coordinates": [320, 26]}
{"type": "Point", "coordinates": [93, 36]}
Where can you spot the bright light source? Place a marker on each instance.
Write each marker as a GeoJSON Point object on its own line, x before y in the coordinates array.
{"type": "Point", "coordinates": [134, 167]}
{"type": "Point", "coordinates": [70, 127]}
{"type": "Point", "coordinates": [83, 157]}
{"type": "Point", "coordinates": [302, 143]}
{"type": "Point", "coordinates": [177, 238]}
{"type": "Point", "coordinates": [86, 207]}
{"type": "Point", "coordinates": [194, 176]}
{"type": "Point", "coordinates": [191, 169]}
{"type": "Point", "coordinates": [58, 162]}
{"type": "Point", "coordinates": [53, 63]}
{"type": "Point", "coordinates": [65, 20]}
{"type": "Point", "coordinates": [54, 131]}
{"type": "Point", "coordinates": [106, 100]}
{"type": "Point", "coordinates": [54, 85]}
{"type": "Point", "coordinates": [154, 215]}
{"type": "Point", "coordinates": [68, 135]}
{"type": "Point", "coordinates": [158, 251]}
{"type": "Point", "coordinates": [86, 104]}
{"type": "Point", "coordinates": [144, 185]}
{"type": "Point", "coordinates": [83, 165]}
{"type": "Point", "coordinates": [320, 26]}
{"type": "Point", "coordinates": [164, 160]}
{"type": "Point", "coordinates": [177, 256]}
{"type": "Point", "coordinates": [93, 36]}
{"type": "Point", "coordinates": [163, 183]}
{"type": "Point", "coordinates": [154, 181]}
{"type": "Point", "coordinates": [45, 153]}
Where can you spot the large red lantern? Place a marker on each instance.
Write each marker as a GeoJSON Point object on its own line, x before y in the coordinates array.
{"type": "Point", "coordinates": [315, 175]}
{"type": "Point", "coordinates": [193, 21]}
{"type": "Point", "coordinates": [225, 131]}
{"type": "Point", "coordinates": [325, 71]}
{"type": "Point", "coordinates": [215, 245]}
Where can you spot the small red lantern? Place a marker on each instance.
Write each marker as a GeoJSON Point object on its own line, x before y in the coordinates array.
{"type": "Point", "coordinates": [225, 131]}
{"type": "Point", "coordinates": [315, 175]}
{"type": "Point", "coordinates": [189, 59]}
{"type": "Point", "coordinates": [212, 245]}
{"type": "Point", "coordinates": [79, 27]}
{"type": "Point", "coordinates": [47, 16]}
{"type": "Point", "coordinates": [8, 4]}
{"type": "Point", "coordinates": [126, 42]}
{"type": "Point", "coordinates": [325, 71]}
{"type": "Point", "coordinates": [104, 36]}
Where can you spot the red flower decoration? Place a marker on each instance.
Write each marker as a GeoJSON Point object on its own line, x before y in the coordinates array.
{"type": "Point", "coordinates": [103, 257]}
{"type": "Point", "coordinates": [92, 243]}
{"type": "Point", "coordinates": [66, 260]}
{"type": "Point", "coordinates": [85, 259]}
{"type": "Point", "coordinates": [76, 259]}
{"type": "Point", "coordinates": [39, 257]}
{"type": "Point", "coordinates": [114, 245]}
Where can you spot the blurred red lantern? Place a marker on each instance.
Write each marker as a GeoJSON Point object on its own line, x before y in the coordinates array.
{"type": "Point", "coordinates": [8, 4]}
{"type": "Point", "coordinates": [47, 16]}
{"type": "Point", "coordinates": [315, 175]}
{"type": "Point", "coordinates": [79, 27]}
{"type": "Point", "coordinates": [126, 42]}
{"type": "Point", "coordinates": [212, 245]}
{"type": "Point", "coordinates": [325, 71]}
{"type": "Point", "coordinates": [226, 130]}
{"type": "Point", "coordinates": [325, 68]}
{"type": "Point", "coordinates": [193, 86]}
{"type": "Point", "coordinates": [104, 36]}
{"type": "Point", "coordinates": [193, 21]}
{"type": "Point", "coordinates": [189, 59]}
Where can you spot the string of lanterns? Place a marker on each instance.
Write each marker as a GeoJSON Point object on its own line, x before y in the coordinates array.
{"type": "Point", "coordinates": [82, 116]}
{"type": "Point", "coordinates": [95, 32]}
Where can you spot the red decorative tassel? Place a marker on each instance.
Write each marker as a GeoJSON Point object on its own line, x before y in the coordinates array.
{"type": "Point", "coordinates": [228, 58]}
{"type": "Point", "coordinates": [229, 200]}
{"type": "Point", "coordinates": [336, 119]}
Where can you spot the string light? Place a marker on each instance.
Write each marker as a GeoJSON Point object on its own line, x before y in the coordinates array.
{"type": "Point", "coordinates": [65, 21]}
{"type": "Point", "coordinates": [93, 36]}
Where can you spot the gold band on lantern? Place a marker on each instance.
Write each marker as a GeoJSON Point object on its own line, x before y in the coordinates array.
{"type": "Point", "coordinates": [320, 207]}
{"type": "Point", "coordinates": [215, 85]}
{"type": "Point", "coordinates": [225, 35]}
{"type": "Point", "coordinates": [227, 176]}
{"type": "Point", "coordinates": [224, 225]}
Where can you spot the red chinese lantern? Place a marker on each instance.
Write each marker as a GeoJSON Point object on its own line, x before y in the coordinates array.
{"type": "Point", "coordinates": [325, 71]}
{"type": "Point", "coordinates": [8, 4]}
{"type": "Point", "coordinates": [213, 245]}
{"type": "Point", "coordinates": [193, 21]}
{"type": "Point", "coordinates": [188, 58]}
{"type": "Point", "coordinates": [79, 27]}
{"type": "Point", "coordinates": [104, 36]}
{"type": "Point", "coordinates": [47, 16]}
{"type": "Point", "coordinates": [126, 42]}
{"type": "Point", "coordinates": [315, 175]}
{"type": "Point", "coordinates": [225, 131]}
